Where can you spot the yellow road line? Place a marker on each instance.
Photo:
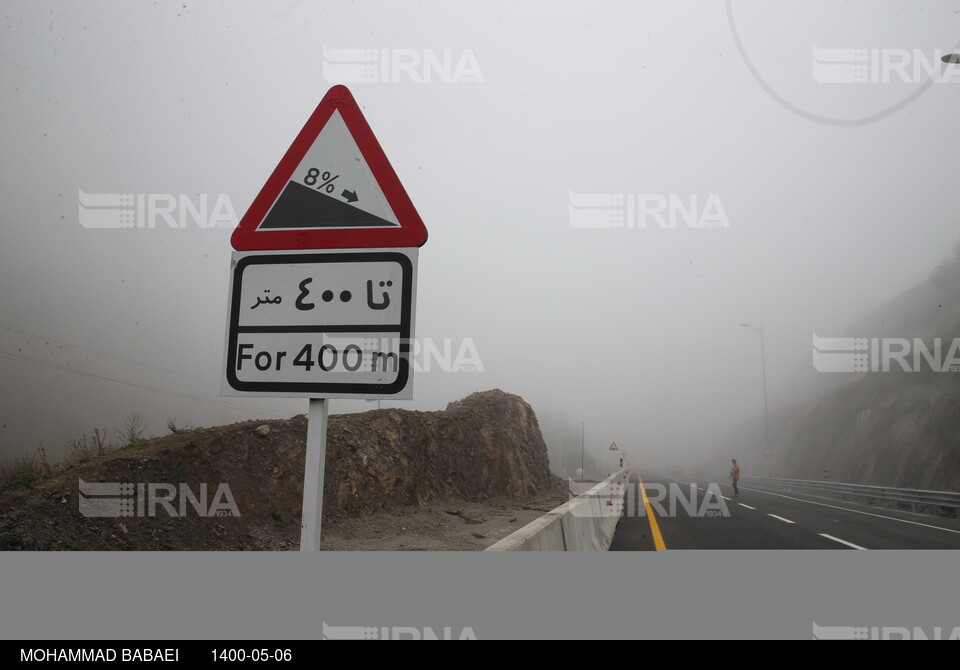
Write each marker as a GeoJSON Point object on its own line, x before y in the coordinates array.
{"type": "Point", "coordinates": [654, 527]}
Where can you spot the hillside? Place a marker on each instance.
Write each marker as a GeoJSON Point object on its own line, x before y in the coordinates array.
{"type": "Point", "coordinates": [885, 428]}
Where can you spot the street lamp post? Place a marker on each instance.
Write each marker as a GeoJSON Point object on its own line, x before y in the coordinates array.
{"type": "Point", "coordinates": [763, 358]}
{"type": "Point", "coordinates": [583, 474]}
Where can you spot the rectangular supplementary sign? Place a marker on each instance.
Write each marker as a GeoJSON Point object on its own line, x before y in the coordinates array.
{"type": "Point", "coordinates": [321, 324]}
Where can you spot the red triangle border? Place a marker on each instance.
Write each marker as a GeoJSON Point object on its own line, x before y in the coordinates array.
{"type": "Point", "coordinates": [412, 231]}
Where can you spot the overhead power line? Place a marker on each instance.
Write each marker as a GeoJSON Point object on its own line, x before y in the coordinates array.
{"type": "Point", "coordinates": [103, 353]}
{"type": "Point", "coordinates": [186, 396]}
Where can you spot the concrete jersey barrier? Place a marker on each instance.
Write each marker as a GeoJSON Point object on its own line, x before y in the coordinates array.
{"type": "Point", "coordinates": [584, 523]}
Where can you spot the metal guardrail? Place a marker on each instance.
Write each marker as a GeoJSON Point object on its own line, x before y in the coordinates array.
{"type": "Point", "coordinates": [946, 500]}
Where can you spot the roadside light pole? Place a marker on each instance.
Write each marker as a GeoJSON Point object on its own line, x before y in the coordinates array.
{"type": "Point", "coordinates": [766, 413]}
{"type": "Point", "coordinates": [583, 474]}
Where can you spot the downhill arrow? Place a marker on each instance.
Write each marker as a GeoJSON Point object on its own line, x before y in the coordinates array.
{"type": "Point", "coordinates": [351, 196]}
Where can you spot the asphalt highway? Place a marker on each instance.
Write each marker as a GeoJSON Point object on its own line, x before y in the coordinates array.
{"type": "Point", "coordinates": [709, 516]}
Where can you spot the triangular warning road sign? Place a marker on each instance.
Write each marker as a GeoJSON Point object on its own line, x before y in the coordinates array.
{"type": "Point", "coordinates": [333, 189]}
{"type": "Point", "coordinates": [614, 447]}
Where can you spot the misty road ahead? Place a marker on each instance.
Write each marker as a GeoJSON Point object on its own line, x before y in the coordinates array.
{"type": "Point", "coordinates": [767, 519]}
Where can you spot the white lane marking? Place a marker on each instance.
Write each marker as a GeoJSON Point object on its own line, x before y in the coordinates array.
{"type": "Point", "coordinates": [781, 518]}
{"type": "Point", "coordinates": [856, 511]}
{"type": "Point", "coordinates": [837, 539]}
{"type": "Point", "coordinates": [726, 498]}
{"type": "Point", "coordinates": [747, 506]}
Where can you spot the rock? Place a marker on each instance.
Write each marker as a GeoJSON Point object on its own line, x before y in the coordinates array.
{"type": "Point", "coordinates": [263, 430]}
{"type": "Point", "coordinates": [488, 444]}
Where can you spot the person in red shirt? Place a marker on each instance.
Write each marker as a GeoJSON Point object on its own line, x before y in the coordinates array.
{"type": "Point", "coordinates": [735, 476]}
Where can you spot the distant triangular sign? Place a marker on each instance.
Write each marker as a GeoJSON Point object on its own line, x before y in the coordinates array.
{"type": "Point", "coordinates": [333, 189]}
{"type": "Point", "coordinates": [614, 447]}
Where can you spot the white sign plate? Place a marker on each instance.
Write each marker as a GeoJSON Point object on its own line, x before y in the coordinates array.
{"type": "Point", "coordinates": [321, 324]}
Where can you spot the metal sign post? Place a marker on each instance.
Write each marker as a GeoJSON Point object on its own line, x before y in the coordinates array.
{"type": "Point", "coordinates": [315, 461]}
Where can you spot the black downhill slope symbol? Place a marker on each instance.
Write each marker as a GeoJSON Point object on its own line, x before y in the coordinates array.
{"type": "Point", "coordinates": [300, 206]}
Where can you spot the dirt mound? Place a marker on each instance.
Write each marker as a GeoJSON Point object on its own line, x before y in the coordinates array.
{"type": "Point", "coordinates": [487, 445]}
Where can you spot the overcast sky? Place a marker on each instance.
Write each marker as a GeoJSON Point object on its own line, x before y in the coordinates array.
{"type": "Point", "coordinates": [837, 196]}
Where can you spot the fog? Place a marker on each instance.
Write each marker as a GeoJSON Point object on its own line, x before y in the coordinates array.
{"type": "Point", "coordinates": [830, 199]}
